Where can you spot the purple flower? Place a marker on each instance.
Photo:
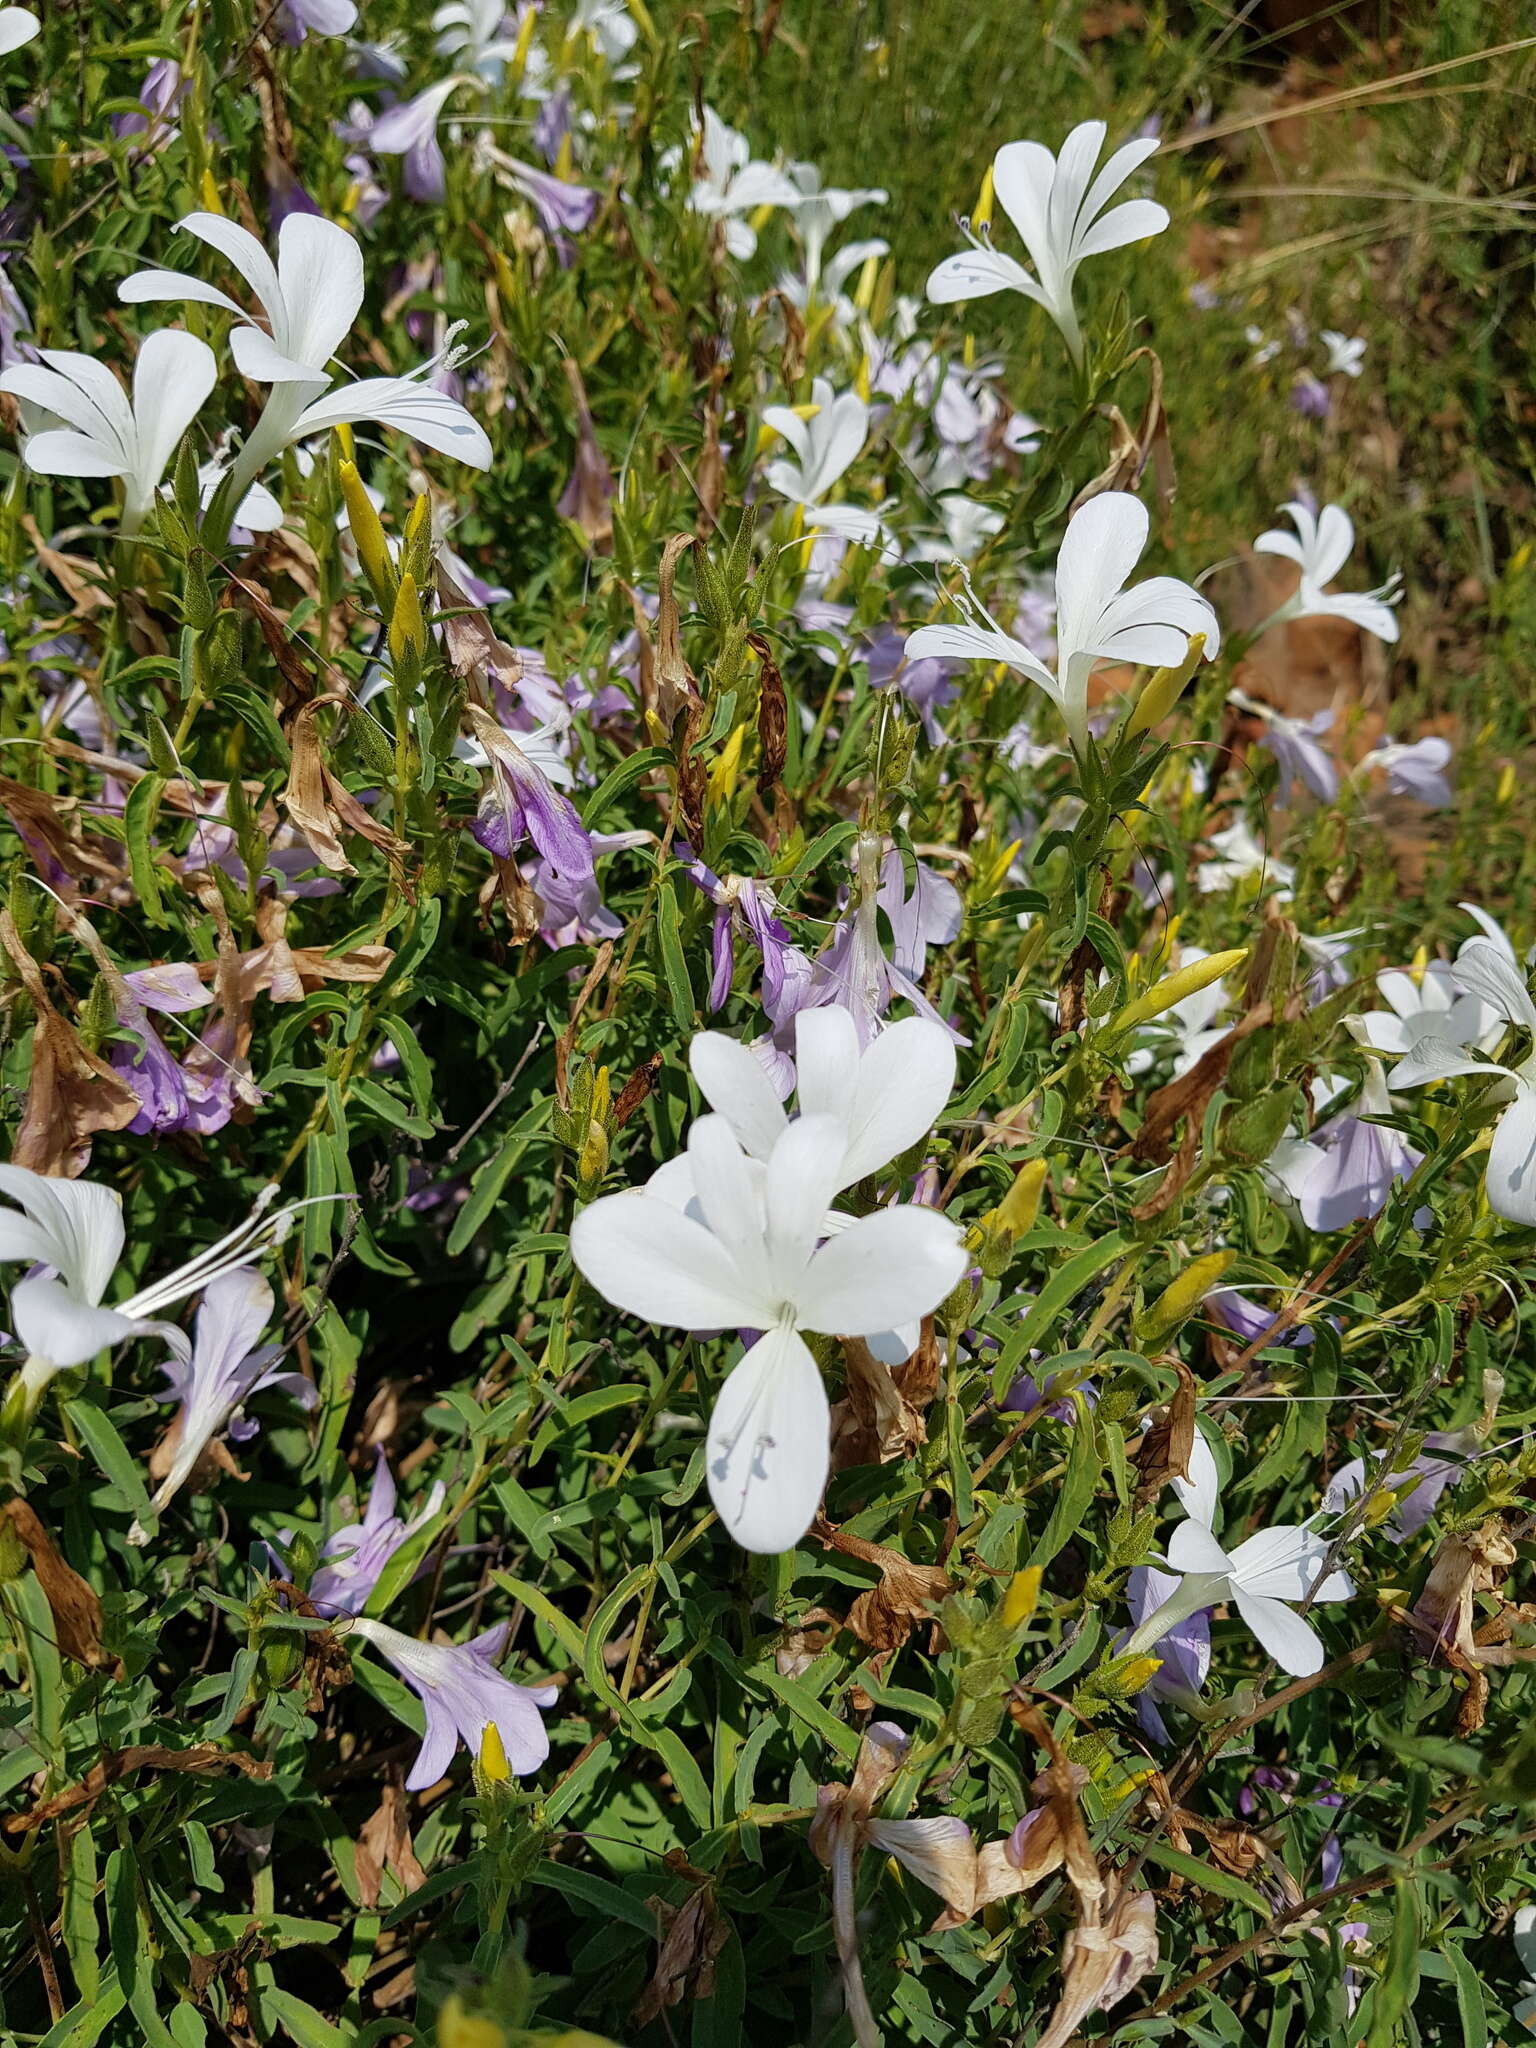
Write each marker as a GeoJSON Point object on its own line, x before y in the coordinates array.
{"type": "Point", "coordinates": [159, 97]}
{"type": "Point", "coordinates": [354, 1556]}
{"type": "Point", "coordinates": [1248, 1320]}
{"type": "Point", "coordinates": [1330, 963]}
{"type": "Point", "coordinates": [1357, 1162]}
{"type": "Point", "coordinates": [854, 973]}
{"type": "Point", "coordinates": [285, 195]}
{"type": "Point", "coordinates": [1185, 1650]}
{"type": "Point", "coordinates": [1416, 770]}
{"type": "Point", "coordinates": [564, 208]}
{"type": "Point", "coordinates": [15, 324]}
{"type": "Point", "coordinates": [553, 124]}
{"type": "Point", "coordinates": [573, 906]}
{"type": "Point", "coordinates": [317, 17]}
{"type": "Point", "coordinates": [464, 1694]}
{"type": "Point", "coordinates": [1027, 1394]}
{"type": "Point", "coordinates": [743, 904]}
{"type": "Point", "coordinates": [409, 130]}
{"type": "Point", "coordinates": [928, 685]}
{"type": "Point", "coordinates": [1434, 1475]}
{"type": "Point", "coordinates": [522, 803]}
{"type": "Point", "coordinates": [1309, 397]}
{"type": "Point", "coordinates": [224, 1369]}
{"type": "Point", "coordinates": [1296, 746]}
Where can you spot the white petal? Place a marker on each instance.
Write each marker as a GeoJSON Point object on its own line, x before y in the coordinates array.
{"type": "Point", "coordinates": [1293, 1643]}
{"type": "Point", "coordinates": [18, 25]}
{"type": "Point", "coordinates": [1279, 1563]}
{"type": "Point", "coordinates": [768, 1445]}
{"type": "Point", "coordinates": [82, 1221]}
{"type": "Point", "coordinates": [903, 1082]}
{"type": "Point", "coordinates": [889, 1268]}
{"type": "Point", "coordinates": [258, 357]}
{"type": "Point", "coordinates": [1484, 970]}
{"type": "Point", "coordinates": [1132, 222]}
{"type": "Point", "coordinates": [1022, 176]}
{"type": "Point", "coordinates": [731, 1199]}
{"type": "Point", "coordinates": [648, 1259]}
{"type": "Point", "coordinates": [803, 1175]}
{"type": "Point", "coordinates": [1192, 1549]}
{"type": "Point", "coordinates": [826, 1062]}
{"type": "Point", "coordinates": [976, 274]}
{"type": "Point", "coordinates": [173, 375]}
{"type": "Point", "coordinates": [974, 643]}
{"type": "Point", "coordinates": [732, 1081]}
{"type": "Point", "coordinates": [1200, 1494]}
{"type": "Point", "coordinates": [1102, 545]}
{"type": "Point", "coordinates": [320, 269]}
{"type": "Point", "coordinates": [1511, 1178]}
{"type": "Point", "coordinates": [243, 250]}
{"type": "Point", "coordinates": [428, 416]}
{"type": "Point", "coordinates": [152, 287]}
{"type": "Point", "coordinates": [1332, 544]}
{"type": "Point", "coordinates": [1434, 1059]}
{"type": "Point", "coordinates": [60, 451]}
{"type": "Point", "coordinates": [54, 1324]}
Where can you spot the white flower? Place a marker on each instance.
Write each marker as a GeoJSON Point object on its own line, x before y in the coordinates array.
{"type": "Point", "coordinates": [1058, 208]}
{"type": "Point", "coordinates": [730, 183]}
{"type": "Point", "coordinates": [826, 444]}
{"type": "Point", "coordinates": [1097, 618]}
{"type": "Point", "coordinates": [1239, 855]}
{"type": "Point", "coordinates": [1320, 547]}
{"type": "Point", "coordinates": [1346, 352]}
{"type": "Point", "coordinates": [73, 1229]}
{"type": "Point", "coordinates": [18, 25]}
{"type": "Point", "coordinates": [756, 1261]}
{"type": "Point", "coordinates": [469, 34]}
{"type": "Point", "coordinates": [310, 298]}
{"type": "Point", "coordinates": [820, 208]}
{"type": "Point", "coordinates": [1427, 1005]}
{"type": "Point", "coordinates": [80, 422]}
{"type": "Point", "coordinates": [1259, 1577]}
{"type": "Point", "coordinates": [1485, 971]}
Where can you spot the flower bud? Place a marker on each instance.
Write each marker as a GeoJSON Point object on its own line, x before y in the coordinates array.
{"type": "Point", "coordinates": [1022, 1596]}
{"type": "Point", "coordinates": [407, 627]}
{"type": "Point", "coordinates": [1176, 987]}
{"type": "Point", "coordinates": [1017, 1211]}
{"type": "Point", "coordinates": [1250, 1131]}
{"type": "Point", "coordinates": [1179, 1300]}
{"type": "Point", "coordinates": [1164, 688]}
{"type": "Point", "coordinates": [368, 536]}
{"type": "Point", "coordinates": [197, 605]}
{"type": "Point", "coordinates": [223, 651]}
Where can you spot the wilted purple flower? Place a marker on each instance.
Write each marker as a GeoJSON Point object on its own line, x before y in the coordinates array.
{"type": "Point", "coordinates": [353, 1557]}
{"type": "Point", "coordinates": [1027, 1394]}
{"type": "Point", "coordinates": [748, 905]}
{"type": "Point", "coordinates": [147, 1065]}
{"type": "Point", "coordinates": [225, 1369]}
{"type": "Point", "coordinates": [474, 586]}
{"type": "Point", "coordinates": [573, 906]}
{"type": "Point", "coordinates": [464, 1694]}
{"type": "Point", "coordinates": [1248, 1320]}
{"type": "Point", "coordinates": [1185, 1650]}
{"type": "Point", "coordinates": [409, 130]}
{"type": "Point", "coordinates": [1416, 769]}
{"type": "Point", "coordinates": [285, 195]}
{"type": "Point", "coordinates": [1309, 397]}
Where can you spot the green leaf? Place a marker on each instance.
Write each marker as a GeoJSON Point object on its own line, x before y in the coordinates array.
{"type": "Point", "coordinates": [674, 964]}
{"type": "Point", "coordinates": [1085, 1461]}
{"type": "Point", "coordinates": [139, 815]}
{"type": "Point", "coordinates": [1398, 1985]}
{"type": "Point", "coordinates": [1208, 1876]}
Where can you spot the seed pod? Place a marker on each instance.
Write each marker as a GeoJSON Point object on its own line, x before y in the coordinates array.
{"type": "Point", "coordinates": [1250, 1131]}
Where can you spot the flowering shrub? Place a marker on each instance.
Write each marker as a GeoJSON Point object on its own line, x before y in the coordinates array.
{"type": "Point", "coordinates": [763, 1280]}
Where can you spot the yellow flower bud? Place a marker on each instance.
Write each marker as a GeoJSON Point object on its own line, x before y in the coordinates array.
{"type": "Point", "coordinates": [419, 516]}
{"type": "Point", "coordinates": [1134, 1675]}
{"type": "Point", "coordinates": [518, 62]}
{"type": "Point", "coordinates": [494, 1767]}
{"type": "Point", "coordinates": [1016, 1212]}
{"type": "Point", "coordinates": [1506, 787]}
{"type": "Point", "coordinates": [1179, 1300]}
{"type": "Point", "coordinates": [212, 203]}
{"type": "Point", "coordinates": [1022, 1597]}
{"type": "Point", "coordinates": [368, 535]}
{"type": "Point", "coordinates": [1173, 988]}
{"type": "Point", "coordinates": [981, 212]}
{"type": "Point", "coordinates": [863, 296]}
{"type": "Point", "coordinates": [726, 767]}
{"type": "Point", "coordinates": [1164, 688]}
{"type": "Point", "coordinates": [861, 382]}
{"type": "Point", "coordinates": [407, 627]}
{"type": "Point", "coordinates": [458, 2027]}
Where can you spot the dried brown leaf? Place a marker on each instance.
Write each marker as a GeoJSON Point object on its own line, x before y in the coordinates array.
{"type": "Point", "coordinates": [385, 1844]}
{"type": "Point", "coordinates": [1165, 1447]}
{"type": "Point", "coordinates": [71, 1094]}
{"type": "Point", "coordinates": [692, 1935]}
{"type": "Point", "coordinates": [73, 1603]}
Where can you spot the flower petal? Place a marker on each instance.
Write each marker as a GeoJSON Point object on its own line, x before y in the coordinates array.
{"type": "Point", "coordinates": [976, 274]}
{"type": "Point", "coordinates": [769, 1445]}
{"type": "Point", "coordinates": [1293, 1643]}
{"type": "Point", "coordinates": [733, 1083]}
{"type": "Point", "coordinates": [888, 1268]}
{"type": "Point", "coordinates": [1511, 1178]}
{"type": "Point", "coordinates": [652, 1261]}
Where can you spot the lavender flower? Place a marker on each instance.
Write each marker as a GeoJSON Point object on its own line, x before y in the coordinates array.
{"type": "Point", "coordinates": [1415, 769]}
{"type": "Point", "coordinates": [1185, 1650]}
{"type": "Point", "coordinates": [355, 1555]}
{"type": "Point", "coordinates": [317, 17]}
{"type": "Point", "coordinates": [159, 97]}
{"type": "Point", "coordinates": [225, 1369]}
{"type": "Point", "coordinates": [1356, 1163]}
{"type": "Point", "coordinates": [146, 1064]}
{"type": "Point", "coordinates": [1432, 1474]}
{"type": "Point", "coordinates": [854, 973]}
{"type": "Point", "coordinates": [1309, 397]}
{"type": "Point", "coordinates": [1248, 1320]}
{"type": "Point", "coordinates": [521, 801]}
{"type": "Point", "coordinates": [926, 685]}
{"type": "Point", "coordinates": [464, 1694]}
